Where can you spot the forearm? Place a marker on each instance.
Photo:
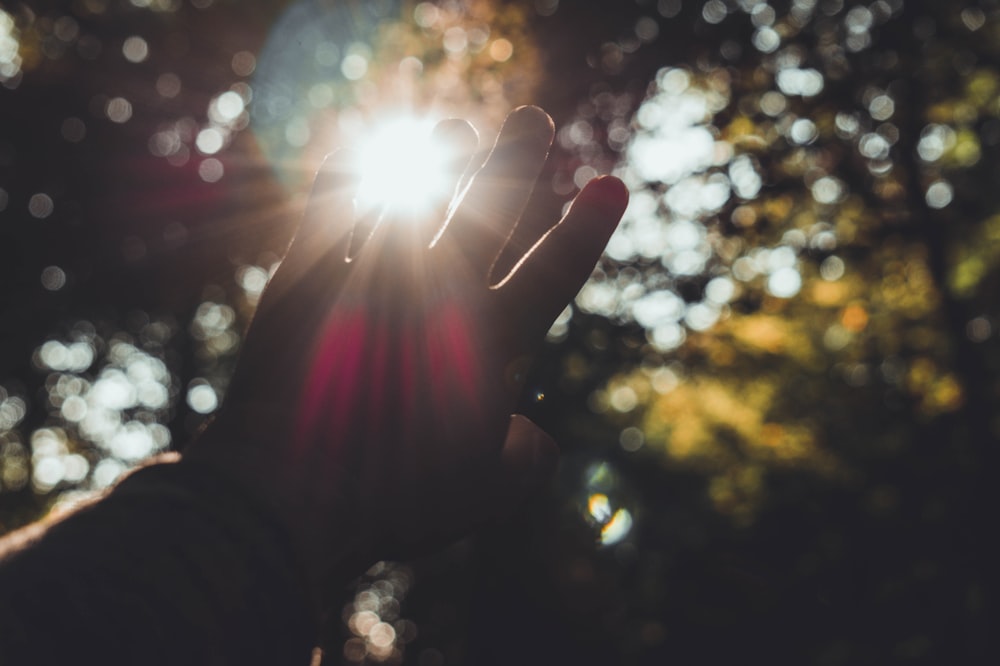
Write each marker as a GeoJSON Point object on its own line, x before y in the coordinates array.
{"type": "Point", "coordinates": [175, 566]}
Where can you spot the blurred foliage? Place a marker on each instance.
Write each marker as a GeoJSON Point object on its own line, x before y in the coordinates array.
{"type": "Point", "coordinates": [776, 395]}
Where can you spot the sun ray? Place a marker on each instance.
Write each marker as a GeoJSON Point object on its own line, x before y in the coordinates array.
{"type": "Point", "coordinates": [400, 166]}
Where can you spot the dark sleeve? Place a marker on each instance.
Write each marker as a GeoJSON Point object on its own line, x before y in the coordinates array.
{"type": "Point", "coordinates": [175, 566]}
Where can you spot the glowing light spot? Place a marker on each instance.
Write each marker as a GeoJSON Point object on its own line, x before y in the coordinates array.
{"type": "Point", "coordinates": [766, 39]}
{"type": "Point", "coordinates": [426, 14]}
{"type": "Point", "coordinates": [40, 205]}
{"type": "Point", "coordinates": [168, 85]}
{"type": "Point", "coordinates": [882, 107]}
{"type": "Point", "coordinates": [113, 391]}
{"type": "Point", "coordinates": [827, 190]}
{"type": "Point", "coordinates": [152, 394]}
{"type": "Point", "coordinates": [12, 410]}
{"type": "Point", "coordinates": [10, 58]}
{"type": "Point", "coordinates": [784, 282]}
{"type": "Point", "coordinates": [455, 40]}
{"type": "Point", "coordinates": [118, 110]}
{"type": "Point", "coordinates": [668, 8]}
{"type": "Point", "coordinates": [664, 380]}
{"type": "Point", "coordinates": [327, 54]}
{"type": "Point", "coordinates": [847, 125]}
{"type": "Point", "coordinates": [803, 82]}
{"type": "Point", "coordinates": [411, 66]}
{"type": "Point", "coordinates": [297, 132]}
{"type": "Point", "coordinates": [211, 319]}
{"type": "Point", "coordinates": [599, 507]}
{"type": "Point", "coordinates": [133, 441]}
{"type": "Point", "coordinates": [617, 528]}
{"type": "Point", "coordinates": [859, 20]}
{"type": "Point", "coordinates": [209, 141]}
{"type": "Point", "coordinates": [854, 318]}
{"type": "Point", "coordinates": [667, 337]}
{"type": "Point", "coordinates": [720, 290]}
{"type": "Point", "coordinates": [361, 623]}
{"type": "Point", "coordinates": [832, 269]}
{"type": "Point", "coordinates": [135, 49]}
{"type": "Point", "coordinates": [695, 195]}
{"type": "Point", "coordinates": [939, 194]}
{"type": "Point", "coordinates": [631, 439]}
{"type": "Point", "coordinates": [624, 399]}
{"type": "Point", "coordinates": [874, 146]}
{"type": "Point", "coordinates": [382, 635]}
{"type": "Point", "coordinates": [647, 29]}
{"type": "Point", "coordinates": [501, 50]}
{"type": "Point", "coordinates": [354, 66]}
{"type": "Point", "coordinates": [773, 103]}
{"type": "Point", "coordinates": [658, 307]}
{"type": "Point", "coordinates": [935, 140]}
{"type": "Point", "coordinates": [201, 397]}
{"type": "Point", "coordinates": [584, 175]}
{"type": "Point", "coordinates": [48, 472]}
{"type": "Point", "coordinates": [75, 468]}
{"type": "Point", "coordinates": [74, 357]}
{"type": "Point", "coordinates": [107, 472]}
{"type": "Point", "coordinates": [401, 166]}
{"type": "Point", "coordinates": [244, 63]}
{"type": "Point", "coordinates": [803, 131]}
{"type": "Point", "coordinates": [165, 143]}
{"type": "Point", "coordinates": [672, 151]}
{"type": "Point", "coordinates": [321, 95]}
{"type": "Point", "coordinates": [979, 329]}
{"type": "Point", "coordinates": [714, 11]}
{"type": "Point", "coordinates": [762, 15]}
{"type": "Point", "coordinates": [211, 170]}
{"type": "Point", "coordinates": [226, 107]}
{"type": "Point", "coordinates": [974, 18]}
{"type": "Point", "coordinates": [701, 316]}
{"type": "Point", "coordinates": [745, 180]}
{"type": "Point", "coordinates": [252, 279]}
{"type": "Point", "coordinates": [53, 278]}
{"type": "Point", "coordinates": [779, 257]}
{"type": "Point", "coordinates": [560, 327]}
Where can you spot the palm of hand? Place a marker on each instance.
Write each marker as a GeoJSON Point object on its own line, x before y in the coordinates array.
{"type": "Point", "coordinates": [384, 383]}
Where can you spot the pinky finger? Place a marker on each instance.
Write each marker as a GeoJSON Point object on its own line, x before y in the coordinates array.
{"type": "Point", "coordinates": [552, 272]}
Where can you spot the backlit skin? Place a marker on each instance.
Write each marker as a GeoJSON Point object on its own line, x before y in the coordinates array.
{"type": "Point", "coordinates": [375, 389]}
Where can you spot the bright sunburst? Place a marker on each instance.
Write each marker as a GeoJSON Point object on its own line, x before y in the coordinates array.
{"type": "Point", "coordinates": [402, 167]}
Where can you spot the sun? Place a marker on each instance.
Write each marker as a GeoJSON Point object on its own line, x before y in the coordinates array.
{"type": "Point", "coordinates": [401, 168]}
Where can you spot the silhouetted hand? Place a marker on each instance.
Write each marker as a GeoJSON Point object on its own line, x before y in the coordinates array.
{"type": "Point", "coordinates": [371, 407]}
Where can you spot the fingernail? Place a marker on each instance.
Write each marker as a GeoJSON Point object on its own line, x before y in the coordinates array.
{"type": "Point", "coordinates": [530, 123]}
{"type": "Point", "coordinates": [606, 194]}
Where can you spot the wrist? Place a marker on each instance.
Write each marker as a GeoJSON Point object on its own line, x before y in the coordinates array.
{"type": "Point", "coordinates": [328, 545]}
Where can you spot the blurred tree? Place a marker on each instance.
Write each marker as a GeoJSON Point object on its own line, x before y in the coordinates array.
{"type": "Point", "coordinates": [808, 181]}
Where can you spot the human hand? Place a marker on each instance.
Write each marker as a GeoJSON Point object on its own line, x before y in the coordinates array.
{"type": "Point", "coordinates": [371, 407]}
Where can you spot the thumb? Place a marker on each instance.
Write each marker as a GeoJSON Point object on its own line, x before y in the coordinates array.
{"type": "Point", "coordinates": [529, 459]}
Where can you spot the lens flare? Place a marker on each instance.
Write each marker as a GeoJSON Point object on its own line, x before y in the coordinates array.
{"type": "Point", "coordinates": [401, 167]}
